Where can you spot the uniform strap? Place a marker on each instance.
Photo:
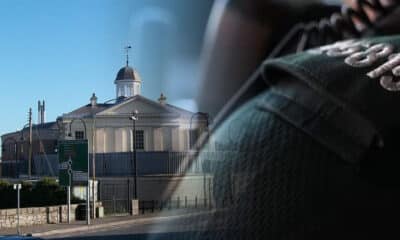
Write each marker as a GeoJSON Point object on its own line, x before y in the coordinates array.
{"type": "Point", "coordinates": [322, 116]}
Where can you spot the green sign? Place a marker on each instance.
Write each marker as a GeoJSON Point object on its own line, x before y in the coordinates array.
{"type": "Point", "coordinates": [73, 157]}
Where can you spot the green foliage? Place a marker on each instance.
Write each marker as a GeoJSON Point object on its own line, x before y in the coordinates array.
{"type": "Point", "coordinates": [6, 194]}
{"type": "Point", "coordinates": [4, 184]}
{"type": "Point", "coordinates": [27, 185]}
{"type": "Point", "coordinates": [47, 182]}
{"type": "Point", "coordinates": [46, 192]}
{"type": "Point", "coordinates": [77, 200]}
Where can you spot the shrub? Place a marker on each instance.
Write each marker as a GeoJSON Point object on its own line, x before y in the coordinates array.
{"type": "Point", "coordinates": [27, 186]}
{"type": "Point", "coordinates": [7, 195]}
{"type": "Point", "coordinates": [4, 184]}
{"type": "Point", "coordinates": [47, 182]}
{"type": "Point", "coordinates": [46, 192]}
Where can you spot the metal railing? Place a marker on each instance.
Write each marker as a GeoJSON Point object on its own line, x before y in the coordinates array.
{"type": "Point", "coordinates": [119, 164]}
{"type": "Point", "coordinates": [118, 206]}
{"type": "Point", "coordinates": [171, 204]}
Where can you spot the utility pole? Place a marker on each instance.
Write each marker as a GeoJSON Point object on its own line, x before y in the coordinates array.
{"type": "Point", "coordinates": [30, 144]}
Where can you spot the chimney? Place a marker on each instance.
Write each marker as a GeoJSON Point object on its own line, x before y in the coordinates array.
{"type": "Point", "coordinates": [93, 100]}
{"type": "Point", "coordinates": [41, 112]}
{"type": "Point", "coordinates": [162, 100]}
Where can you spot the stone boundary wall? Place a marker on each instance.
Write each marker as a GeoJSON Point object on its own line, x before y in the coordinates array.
{"type": "Point", "coordinates": [36, 216]}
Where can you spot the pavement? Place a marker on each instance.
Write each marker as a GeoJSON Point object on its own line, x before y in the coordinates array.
{"type": "Point", "coordinates": [75, 227]}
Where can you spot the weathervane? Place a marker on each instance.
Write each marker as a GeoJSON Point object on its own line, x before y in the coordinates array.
{"type": "Point", "coordinates": [127, 48]}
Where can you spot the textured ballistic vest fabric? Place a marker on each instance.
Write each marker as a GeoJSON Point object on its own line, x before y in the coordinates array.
{"type": "Point", "coordinates": [278, 169]}
{"type": "Point", "coordinates": [346, 109]}
{"type": "Point", "coordinates": [273, 181]}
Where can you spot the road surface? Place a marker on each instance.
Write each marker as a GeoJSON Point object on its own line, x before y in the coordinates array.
{"type": "Point", "coordinates": [181, 228]}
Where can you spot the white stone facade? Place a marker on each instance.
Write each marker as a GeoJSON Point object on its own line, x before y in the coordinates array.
{"type": "Point", "coordinates": [165, 128]}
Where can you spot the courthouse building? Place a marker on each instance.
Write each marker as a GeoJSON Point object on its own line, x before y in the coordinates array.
{"type": "Point", "coordinates": [161, 129]}
{"type": "Point", "coordinates": [159, 125]}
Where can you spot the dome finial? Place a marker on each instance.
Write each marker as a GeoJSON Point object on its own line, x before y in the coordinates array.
{"type": "Point", "coordinates": [163, 99]}
{"type": "Point", "coordinates": [127, 48]}
{"type": "Point", "coordinates": [93, 100]}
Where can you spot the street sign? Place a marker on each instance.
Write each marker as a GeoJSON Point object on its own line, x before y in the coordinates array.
{"type": "Point", "coordinates": [73, 157]}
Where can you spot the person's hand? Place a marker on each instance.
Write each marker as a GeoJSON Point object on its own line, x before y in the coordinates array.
{"type": "Point", "coordinates": [372, 14]}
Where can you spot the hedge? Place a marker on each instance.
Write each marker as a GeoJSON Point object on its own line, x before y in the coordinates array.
{"type": "Point", "coordinates": [46, 192]}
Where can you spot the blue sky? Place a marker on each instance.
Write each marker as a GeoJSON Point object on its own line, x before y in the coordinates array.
{"type": "Point", "coordinates": [62, 51]}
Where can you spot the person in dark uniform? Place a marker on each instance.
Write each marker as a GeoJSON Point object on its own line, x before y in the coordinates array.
{"type": "Point", "coordinates": [311, 150]}
{"type": "Point", "coordinates": [241, 34]}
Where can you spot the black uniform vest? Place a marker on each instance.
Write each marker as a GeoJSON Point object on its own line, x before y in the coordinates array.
{"type": "Point", "coordinates": [345, 95]}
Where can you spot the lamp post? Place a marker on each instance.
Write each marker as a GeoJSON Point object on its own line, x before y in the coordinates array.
{"type": "Point", "coordinates": [134, 118]}
{"type": "Point", "coordinates": [18, 188]}
{"type": "Point", "coordinates": [94, 164]}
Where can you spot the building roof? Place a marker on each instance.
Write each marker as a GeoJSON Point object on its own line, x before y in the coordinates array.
{"type": "Point", "coordinates": [49, 126]}
{"type": "Point", "coordinates": [87, 110]}
{"type": "Point", "coordinates": [127, 73]}
{"type": "Point", "coordinates": [101, 109]}
{"type": "Point", "coordinates": [162, 108]}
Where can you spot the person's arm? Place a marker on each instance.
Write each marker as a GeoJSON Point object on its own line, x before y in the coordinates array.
{"type": "Point", "coordinates": [239, 36]}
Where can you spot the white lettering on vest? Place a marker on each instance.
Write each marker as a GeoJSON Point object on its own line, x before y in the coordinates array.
{"type": "Point", "coordinates": [362, 54]}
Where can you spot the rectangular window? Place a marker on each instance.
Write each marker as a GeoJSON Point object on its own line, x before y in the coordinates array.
{"type": "Point", "coordinates": [79, 135]}
{"type": "Point", "coordinates": [139, 139]}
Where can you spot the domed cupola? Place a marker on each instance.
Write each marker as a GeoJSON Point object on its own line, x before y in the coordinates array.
{"type": "Point", "coordinates": [128, 82]}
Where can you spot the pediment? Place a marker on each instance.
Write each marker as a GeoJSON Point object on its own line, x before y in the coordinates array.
{"type": "Point", "coordinates": [141, 104]}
